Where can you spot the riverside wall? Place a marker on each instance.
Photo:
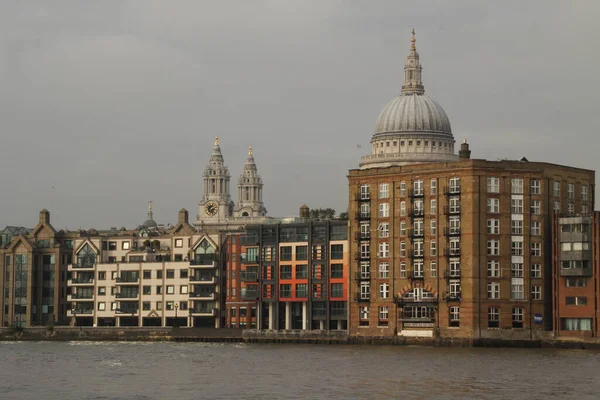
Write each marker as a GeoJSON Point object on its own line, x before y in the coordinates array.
{"type": "Point", "coordinates": [169, 334]}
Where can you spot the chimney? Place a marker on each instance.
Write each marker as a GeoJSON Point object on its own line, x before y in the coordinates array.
{"type": "Point", "coordinates": [304, 211]}
{"type": "Point", "coordinates": [44, 216]}
{"type": "Point", "coordinates": [183, 216]}
{"type": "Point", "coordinates": [464, 153]}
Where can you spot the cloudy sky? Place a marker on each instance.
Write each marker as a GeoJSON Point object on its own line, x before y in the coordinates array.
{"type": "Point", "coordinates": [105, 105]}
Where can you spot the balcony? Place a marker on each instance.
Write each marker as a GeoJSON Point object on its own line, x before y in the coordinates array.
{"type": "Point", "coordinates": [575, 272]}
{"type": "Point", "coordinates": [204, 295]}
{"type": "Point", "coordinates": [452, 274]}
{"type": "Point", "coordinates": [362, 276]}
{"type": "Point", "coordinates": [204, 261]}
{"type": "Point", "coordinates": [417, 213]}
{"type": "Point", "coordinates": [362, 257]}
{"type": "Point", "coordinates": [575, 255]}
{"type": "Point", "coordinates": [203, 279]}
{"type": "Point", "coordinates": [83, 266]}
{"type": "Point", "coordinates": [129, 311]}
{"type": "Point", "coordinates": [202, 311]}
{"type": "Point", "coordinates": [452, 296]}
{"type": "Point", "coordinates": [362, 298]}
{"type": "Point", "coordinates": [362, 235]}
{"type": "Point", "coordinates": [362, 196]}
{"type": "Point", "coordinates": [416, 254]}
{"type": "Point", "coordinates": [416, 276]}
{"type": "Point", "coordinates": [452, 231]}
{"type": "Point", "coordinates": [130, 296]}
{"type": "Point", "coordinates": [452, 252]}
{"type": "Point", "coordinates": [416, 193]}
{"type": "Point", "coordinates": [363, 216]}
{"type": "Point", "coordinates": [81, 281]}
{"type": "Point", "coordinates": [414, 300]}
{"type": "Point", "coordinates": [78, 311]}
{"type": "Point", "coordinates": [245, 260]}
{"type": "Point", "coordinates": [128, 280]}
{"type": "Point", "coordinates": [248, 276]}
{"type": "Point", "coordinates": [249, 240]}
{"type": "Point", "coordinates": [452, 190]}
{"type": "Point", "coordinates": [412, 233]}
{"type": "Point", "coordinates": [249, 295]}
{"type": "Point", "coordinates": [452, 210]}
{"type": "Point", "coordinates": [80, 296]}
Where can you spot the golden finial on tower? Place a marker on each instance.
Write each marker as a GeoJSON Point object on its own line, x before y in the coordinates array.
{"type": "Point", "coordinates": [150, 206]}
{"type": "Point", "coordinates": [250, 150]}
{"type": "Point", "coordinates": [413, 40]}
{"type": "Point", "coordinates": [216, 141]}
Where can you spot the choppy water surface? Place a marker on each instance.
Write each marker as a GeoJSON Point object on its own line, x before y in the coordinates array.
{"type": "Point", "coordinates": [82, 370]}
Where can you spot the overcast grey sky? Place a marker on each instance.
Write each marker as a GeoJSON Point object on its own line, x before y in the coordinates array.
{"type": "Point", "coordinates": [105, 105]}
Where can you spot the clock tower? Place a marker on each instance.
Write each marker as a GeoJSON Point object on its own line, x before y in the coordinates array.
{"type": "Point", "coordinates": [216, 204]}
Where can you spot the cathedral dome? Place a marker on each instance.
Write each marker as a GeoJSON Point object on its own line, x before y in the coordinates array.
{"type": "Point", "coordinates": [413, 113]}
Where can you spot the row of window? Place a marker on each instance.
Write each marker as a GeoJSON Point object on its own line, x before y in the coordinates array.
{"type": "Point", "coordinates": [417, 189]}
{"type": "Point", "coordinates": [288, 253]}
{"type": "Point", "coordinates": [147, 306]}
{"type": "Point", "coordinates": [146, 274]}
{"type": "Point", "coordinates": [493, 248]}
{"type": "Point", "coordinates": [146, 290]}
{"type": "Point", "coordinates": [516, 291]}
{"type": "Point", "coordinates": [410, 142]}
{"type": "Point", "coordinates": [300, 290]}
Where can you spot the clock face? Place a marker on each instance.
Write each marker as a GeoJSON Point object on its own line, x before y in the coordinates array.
{"type": "Point", "coordinates": [211, 209]}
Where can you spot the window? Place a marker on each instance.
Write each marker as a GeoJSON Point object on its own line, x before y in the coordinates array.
{"type": "Point", "coordinates": [536, 249]}
{"type": "Point", "coordinates": [557, 206]}
{"type": "Point", "coordinates": [433, 187]}
{"type": "Point", "coordinates": [286, 272]}
{"type": "Point", "coordinates": [433, 248]}
{"type": "Point", "coordinates": [493, 205]}
{"type": "Point", "coordinates": [402, 270]}
{"type": "Point", "coordinates": [402, 249]}
{"type": "Point", "coordinates": [183, 273]}
{"type": "Point", "coordinates": [433, 227]}
{"type": "Point", "coordinates": [516, 185]}
{"type": "Point", "coordinates": [384, 210]}
{"type": "Point", "coordinates": [570, 191]}
{"type": "Point", "coordinates": [516, 270]}
{"type": "Point", "coordinates": [170, 274]}
{"type": "Point", "coordinates": [534, 186]}
{"type": "Point", "coordinates": [454, 204]}
{"type": "Point", "coordinates": [576, 324]}
{"type": "Point", "coordinates": [493, 247]}
{"type": "Point", "coordinates": [365, 290]}
{"type": "Point", "coordinates": [576, 300]}
{"type": "Point", "coordinates": [384, 290]}
{"type": "Point", "coordinates": [125, 245]}
{"type": "Point", "coordinates": [454, 223]}
{"type": "Point", "coordinates": [517, 248]}
{"type": "Point", "coordinates": [536, 270]}
{"type": "Point", "coordinates": [384, 270]}
{"type": "Point", "coordinates": [286, 253]}
{"type": "Point", "coordinates": [146, 306]}
{"type": "Point", "coordinates": [170, 289]}
{"type": "Point", "coordinates": [183, 289]}
{"type": "Point", "coordinates": [365, 192]}
{"type": "Point", "coordinates": [285, 290]}
{"type": "Point", "coordinates": [301, 253]}
{"type": "Point", "coordinates": [364, 314]}
{"type": "Point", "coordinates": [101, 276]}
{"type": "Point", "coordinates": [302, 271]}
{"type": "Point", "coordinates": [433, 206]}
{"type": "Point", "coordinates": [493, 269]}
{"type": "Point", "coordinates": [178, 242]}
{"type": "Point", "coordinates": [112, 246]}
{"type": "Point", "coordinates": [101, 306]}
{"type": "Point", "coordinates": [403, 228]}
{"type": "Point", "coordinates": [574, 282]}
{"type": "Point", "coordinates": [584, 193]}
{"type": "Point", "coordinates": [571, 209]}
{"type": "Point", "coordinates": [101, 291]}
{"type": "Point", "coordinates": [556, 189]}
{"type": "Point", "coordinates": [454, 185]}
{"type": "Point", "coordinates": [493, 226]}
{"type": "Point", "coordinates": [536, 292]}
{"type": "Point", "coordinates": [146, 290]}
{"type": "Point", "coordinates": [337, 251]}
{"type": "Point", "coordinates": [536, 228]}
{"type": "Point", "coordinates": [454, 316]}
{"type": "Point", "coordinates": [365, 250]}
{"type": "Point", "coordinates": [383, 313]}
{"type": "Point", "coordinates": [402, 189]}
{"type": "Point", "coordinates": [183, 305]}
{"type": "Point", "coordinates": [418, 188]}
{"type": "Point", "coordinates": [384, 250]}
{"type": "Point", "coordinates": [403, 209]}
{"type": "Point", "coordinates": [516, 289]}
{"type": "Point", "coordinates": [337, 290]}
{"type": "Point", "coordinates": [384, 230]}
{"type": "Point", "coordinates": [584, 209]}
{"type": "Point", "coordinates": [516, 206]}
{"type": "Point", "coordinates": [365, 270]}
{"type": "Point", "coordinates": [159, 274]}
{"type": "Point", "coordinates": [516, 227]}
{"type": "Point", "coordinates": [517, 317]}
{"type": "Point", "coordinates": [536, 207]}
{"type": "Point", "coordinates": [384, 190]}
{"type": "Point", "coordinates": [493, 317]}
{"type": "Point", "coordinates": [493, 289]}
{"type": "Point", "coordinates": [337, 270]}
{"type": "Point", "coordinates": [147, 274]}
{"type": "Point", "coordinates": [170, 306]}
{"type": "Point", "coordinates": [365, 210]}
{"type": "Point", "coordinates": [493, 185]}
{"type": "Point", "coordinates": [433, 269]}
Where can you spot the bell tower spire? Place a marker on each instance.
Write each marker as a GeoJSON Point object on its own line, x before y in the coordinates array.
{"type": "Point", "coordinates": [412, 70]}
{"type": "Point", "coordinates": [250, 186]}
{"type": "Point", "coordinates": [216, 201]}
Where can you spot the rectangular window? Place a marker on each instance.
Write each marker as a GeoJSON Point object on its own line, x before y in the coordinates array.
{"type": "Point", "coordinates": [285, 272]}
{"type": "Point", "coordinates": [516, 185]}
{"type": "Point", "coordinates": [536, 228]}
{"type": "Point", "coordinates": [146, 306]}
{"type": "Point", "coordinates": [337, 290]}
{"type": "Point", "coordinates": [365, 250]}
{"type": "Point", "coordinates": [101, 306]}
{"type": "Point", "coordinates": [493, 317]}
{"type": "Point", "coordinates": [301, 253]}
{"type": "Point", "coordinates": [493, 205]}
{"type": "Point", "coordinates": [178, 243]}
{"type": "Point", "coordinates": [402, 249]}
{"type": "Point", "coordinates": [493, 247]}
{"type": "Point", "coordinates": [517, 248]}
{"type": "Point", "coordinates": [454, 204]}
{"type": "Point", "coordinates": [536, 292]}
{"type": "Point", "coordinates": [454, 185]}
{"type": "Point", "coordinates": [384, 190]}
{"type": "Point", "coordinates": [365, 192]}
{"type": "Point", "coordinates": [516, 206]}
{"type": "Point", "coordinates": [285, 290]}
{"type": "Point", "coordinates": [183, 273]}
{"type": "Point", "coordinates": [536, 249]}
{"type": "Point", "coordinates": [517, 317]}
{"type": "Point", "coordinates": [402, 270]}
{"type": "Point", "coordinates": [384, 250]}
{"type": "Point", "coordinates": [383, 313]}
{"type": "Point", "coordinates": [384, 229]}
{"type": "Point", "coordinates": [384, 290]}
{"type": "Point", "coordinates": [433, 248]}
{"type": "Point", "coordinates": [516, 227]}
{"type": "Point", "coordinates": [454, 316]}
{"type": "Point", "coordinates": [384, 270]}
{"type": "Point", "coordinates": [575, 282]}
{"type": "Point", "coordinates": [433, 227]}
{"type": "Point", "coordinates": [535, 186]}
{"type": "Point", "coordinates": [147, 274]}
{"type": "Point", "coordinates": [337, 251]}
{"type": "Point", "coordinates": [584, 193]}
{"type": "Point", "coordinates": [493, 226]}
{"type": "Point", "coordinates": [337, 270]}
{"type": "Point", "coordinates": [159, 274]}
{"type": "Point", "coordinates": [402, 189]}
{"type": "Point", "coordinates": [570, 191]}
{"type": "Point", "coordinates": [556, 189]}
{"type": "Point", "coordinates": [170, 274]}
{"type": "Point", "coordinates": [493, 289]}
{"type": "Point", "coordinates": [516, 289]}
{"type": "Point", "coordinates": [183, 289]}
{"type": "Point", "coordinates": [433, 187]}
{"type": "Point", "coordinates": [516, 270]}
{"type": "Point", "coordinates": [285, 253]}
{"type": "Point", "coordinates": [170, 289]}
{"type": "Point", "coordinates": [576, 300]}
{"type": "Point", "coordinates": [576, 324]}
{"type": "Point", "coordinates": [433, 269]}
{"type": "Point", "coordinates": [403, 209]}
{"type": "Point", "coordinates": [493, 269]}
{"type": "Point", "coordinates": [146, 290]}
{"type": "Point", "coordinates": [433, 206]}
{"type": "Point", "coordinates": [536, 207]}
{"type": "Point", "coordinates": [125, 245]}
{"type": "Point", "coordinates": [365, 290]}
{"type": "Point", "coordinates": [493, 185]}
{"type": "Point", "coordinates": [536, 270]}
{"type": "Point", "coordinates": [418, 188]}
{"type": "Point", "coordinates": [302, 290]}
{"type": "Point", "coordinates": [384, 210]}
{"type": "Point", "coordinates": [365, 210]}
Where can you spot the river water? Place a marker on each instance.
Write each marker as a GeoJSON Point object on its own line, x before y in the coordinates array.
{"type": "Point", "coordinates": [124, 370]}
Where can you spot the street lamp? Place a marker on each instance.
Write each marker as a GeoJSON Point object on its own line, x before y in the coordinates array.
{"type": "Point", "coordinates": [190, 314]}
{"type": "Point", "coordinates": [176, 324]}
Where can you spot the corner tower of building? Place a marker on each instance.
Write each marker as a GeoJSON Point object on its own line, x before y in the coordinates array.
{"type": "Point", "coordinates": [216, 201]}
{"type": "Point", "coordinates": [412, 128]}
{"type": "Point", "coordinates": [250, 186]}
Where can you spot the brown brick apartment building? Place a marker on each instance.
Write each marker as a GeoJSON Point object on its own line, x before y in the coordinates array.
{"type": "Point", "coordinates": [459, 249]}
{"type": "Point", "coordinates": [290, 276]}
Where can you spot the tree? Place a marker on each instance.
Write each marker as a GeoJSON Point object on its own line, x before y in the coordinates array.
{"type": "Point", "coordinates": [322, 213]}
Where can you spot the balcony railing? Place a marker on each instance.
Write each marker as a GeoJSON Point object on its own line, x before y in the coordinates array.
{"type": "Point", "coordinates": [202, 278]}
{"type": "Point", "coordinates": [363, 216]}
{"type": "Point", "coordinates": [403, 300]}
{"type": "Point", "coordinates": [362, 235]}
{"type": "Point", "coordinates": [128, 279]}
{"type": "Point", "coordinates": [362, 197]}
{"type": "Point", "coordinates": [82, 281]}
{"type": "Point", "coordinates": [249, 295]}
{"type": "Point", "coordinates": [412, 193]}
{"type": "Point", "coordinates": [362, 298]}
{"type": "Point", "coordinates": [417, 212]}
{"type": "Point", "coordinates": [203, 310]}
{"type": "Point", "coordinates": [362, 276]}
{"type": "Point", "coordinates": [416, 275]}
{"type": "Point", "coordinates": [86, 265]}
{"type": "Point", "coordinates": [452, 231]}
{"type": "Point", "coordinates": [131, 311]}
{"type": "Point", "coordinates": [127, 295]}
{"type": "Point", "coordinates": [202, 295]}
{"type": "Point", "coordinates": [453, 252]}
{"type": "Point", "coordinates": [575, 271]}
{"type": "Point", "coordinates": [360, 256]}
{"type": "Point", "coordinates": [452, 274]}
{"type": "Point", "coordinates": [84, 312]}
{"type": "Point", "coordinates": [249, 240]}
{"type": "Point", "coordinates": [248, 276]}
{"type": "Point", "coordinates": [205, 260]}
{"type": "Point", "coordinates": [452, 210]}
{"type": "Point", "coordinates": [245, 260]}
{"type": "Point", "coordinates": [416, 254]}
{"type": "Point", "coordinates": [452, 190]}
{"type": "Point", "coordinates": [82, 296]}
{"type": "Point", "coordinates": [412, 233]}
{"type": "Point", "coordinates": [452, 296]}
